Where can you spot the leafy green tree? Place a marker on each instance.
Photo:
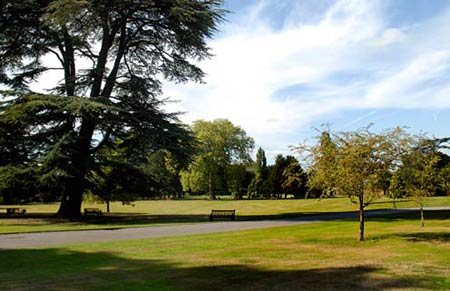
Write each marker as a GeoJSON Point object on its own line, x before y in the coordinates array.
{"type": "Point", "coordinates": [420, 172]}
{"type": "Point", "coordinates": [116, 177]}
{"type": "Point", "coordinates": [17, 184]}
{"type": "Point", "coordinates": [276, 176]}
{"type": "Point", "coordinates": [294, 180]}
{"type": "Point", "coordinates": [351, 163]}
{"type": "Point", "coordinates": [112, 55]}
{"type": "Point", "coordinates": [236, 178]}
{"type": "Point", "coordinates": [397, 187]}
{"type": "Point", "coordinates": [165, 169]}
{"type": "Point", "coordinates": [444, 178]}
{"type": "Point", "coordinates": [324, 158]}
{"type": "Point", "coordinates": [220, 144]}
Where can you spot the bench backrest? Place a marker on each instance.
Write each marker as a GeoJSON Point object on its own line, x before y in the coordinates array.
{"type": "Point", "coordinates": [222, 212]}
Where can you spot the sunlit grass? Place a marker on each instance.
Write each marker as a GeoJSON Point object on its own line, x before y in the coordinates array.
{"type": "Point", "coordinates": [397, 255]}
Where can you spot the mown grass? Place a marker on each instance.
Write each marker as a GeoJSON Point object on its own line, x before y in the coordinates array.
{"type": "Point", "coordinates": [158, 212]}
{"type": "Point", "coordinates": [397, 255]}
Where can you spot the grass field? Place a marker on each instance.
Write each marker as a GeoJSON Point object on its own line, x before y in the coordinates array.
{"type": "Point", "coordinates": [397, 255]}
{"type": "Point", "coordinates": [157, 212]}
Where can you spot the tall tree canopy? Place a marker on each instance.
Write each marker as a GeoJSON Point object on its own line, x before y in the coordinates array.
{"type": "Point", "coordinates": [220, 144]}
{"type": "Point", "coordinates": [112, 55]}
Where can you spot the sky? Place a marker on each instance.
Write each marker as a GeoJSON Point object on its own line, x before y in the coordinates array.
{"type": "Point", "coordinates": [282, 69]}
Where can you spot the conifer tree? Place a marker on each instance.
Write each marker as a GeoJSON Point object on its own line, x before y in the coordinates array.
{"type": "Point", "coordinates": [112, 55]}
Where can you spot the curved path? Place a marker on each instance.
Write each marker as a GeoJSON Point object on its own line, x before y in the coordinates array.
{"type": "Point", "coordinates": [47, 239]}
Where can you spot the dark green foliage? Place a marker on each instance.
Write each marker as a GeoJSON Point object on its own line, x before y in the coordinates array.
{"type": "Point", "coordinates": [277, 176]}
{"type": "Point", "coordinates": [129, 45]}
{"type": "Point", "coordinates": [236, 178]}
{"type": "Point", "coordinates": [17, 184]}
{"type": "Point", "coordinates": [258, 186]}
{"type": "Point", "coordinates": [294, 179]}
{"type": "Point", "coordinates": [164, 169]}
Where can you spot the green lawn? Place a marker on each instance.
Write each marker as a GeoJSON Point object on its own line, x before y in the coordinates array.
{"type": "Point", "coordinates": [157, 212]}
{"type": "Point", "coordinates": [397, 255]}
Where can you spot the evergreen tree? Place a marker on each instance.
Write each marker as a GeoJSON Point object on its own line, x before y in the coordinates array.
{"type": "Point", "coordinates": [258, 186]}
{"type": "Point", "coordinates": [129, 45]}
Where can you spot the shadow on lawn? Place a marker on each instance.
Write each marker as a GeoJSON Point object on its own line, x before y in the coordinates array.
{"type": "Point", "coordinates": [413, 215]}
{"type": "Point", "coordinates": [431, 237]}
{"type": "Point", "coordinates": [443, 237]}
{"type": "Point", "coordinates": [63, 269]}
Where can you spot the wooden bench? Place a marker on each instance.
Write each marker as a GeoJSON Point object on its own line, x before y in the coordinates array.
{"type": "Point", "coordinates": [222, 214]}
{"type": "Point", "coordinates": [15, 211]}
{"type": "Point", "coordinates": [92, 211]}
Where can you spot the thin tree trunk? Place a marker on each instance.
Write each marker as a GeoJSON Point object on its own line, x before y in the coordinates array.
{"type": "Point", "coordinates": [212, 196]}
{"type": "Point", "coordinates": [108, 204]}
{"type": "Point", "coordinates": [422, 218]}
{"type": "Point", "coordinates": [361, 218]}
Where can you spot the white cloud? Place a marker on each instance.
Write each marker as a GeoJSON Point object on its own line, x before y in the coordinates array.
{"type": "Point", "coordinates": [390, 36]}
{"type": "Point", "coordinates": [252, 62]}
{"type": "Point", "coordinates": [409, 87]}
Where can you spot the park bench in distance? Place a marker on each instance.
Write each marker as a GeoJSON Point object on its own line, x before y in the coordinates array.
{"type": "Point", "coordinates": [92, 211]}
{"type": "Point", "coordinates": [222, 214]}
{"type": "Point", "coordinates": [10, 211]}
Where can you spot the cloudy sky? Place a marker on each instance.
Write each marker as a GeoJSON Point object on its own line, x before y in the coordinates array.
{"type": "Point", "coordinates": [282, 68]}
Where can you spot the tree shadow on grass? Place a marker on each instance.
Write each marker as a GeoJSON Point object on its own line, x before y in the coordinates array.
{"type": "Point", "coordinates": [64, 269]}
{"type": "Point", "coordinates": [413, 215]}
{"type": "Point", "coordinates": [431, 237]}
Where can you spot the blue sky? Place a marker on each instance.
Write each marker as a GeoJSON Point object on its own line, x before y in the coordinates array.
{"type": "Point", "coordinates": [282, 68]}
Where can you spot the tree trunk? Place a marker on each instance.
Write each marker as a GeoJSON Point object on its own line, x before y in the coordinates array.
{"type": "Point", "coordinates": [422, 218]}
{"type": "Point", "coordinates": [76, 184]}
{"type": "Point", "coordinates": [361, 218]}
{"type": "Point", "coordinates": [211, 194]}
{"type": "Point", "coordinates": [107, 204]}
{"type": "Point", "coordinates": [72, 198]}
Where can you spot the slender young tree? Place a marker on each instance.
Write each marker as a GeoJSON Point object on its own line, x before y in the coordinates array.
{"type": "Point", "coordinates": [112, 55]}
{"type": "Point", "coordinates": [351, 164]}
{"type": "Point", "coordinates": [420, 172]}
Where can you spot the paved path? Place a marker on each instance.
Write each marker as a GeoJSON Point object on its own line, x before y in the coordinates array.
{"type": "Point", "coordinates": [47, 239]}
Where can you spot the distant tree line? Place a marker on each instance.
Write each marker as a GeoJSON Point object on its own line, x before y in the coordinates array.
{"type": "Point", "coordinates": [223, 165]}
{"type": "Point", "coordinates": [285, 177]}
